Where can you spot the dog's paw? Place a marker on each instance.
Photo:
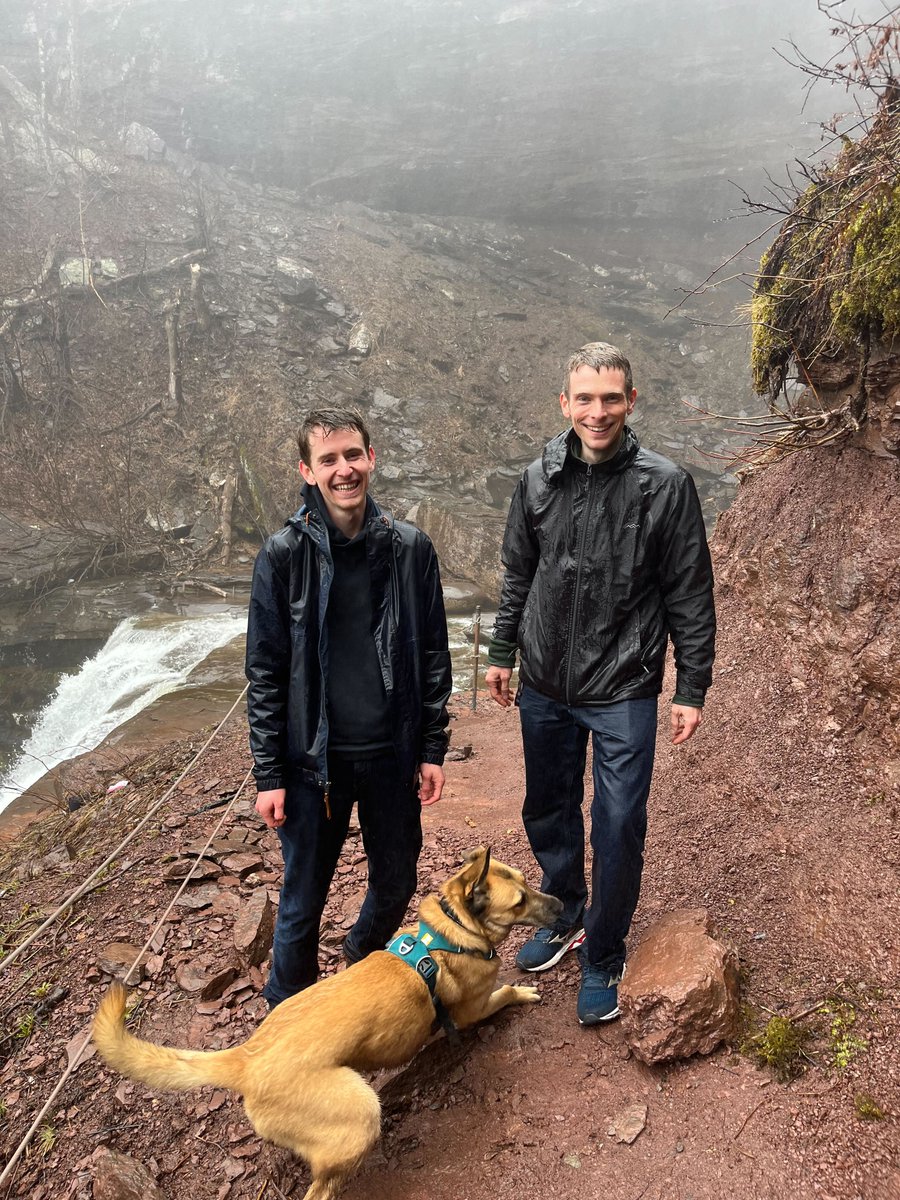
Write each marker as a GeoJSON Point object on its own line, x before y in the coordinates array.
{"type": "Point", "coordinates": [527, 995]}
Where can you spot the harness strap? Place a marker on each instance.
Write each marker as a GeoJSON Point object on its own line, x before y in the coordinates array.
{"type": "Point", "coordinates": [415, 952]}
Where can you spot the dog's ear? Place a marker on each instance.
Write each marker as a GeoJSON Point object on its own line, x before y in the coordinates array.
{"type": "Point", "coordinates": [476, 890]}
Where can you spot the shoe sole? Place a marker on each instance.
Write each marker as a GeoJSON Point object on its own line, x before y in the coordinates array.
{"type": "Point", "coordinates": [576, 941]}
{"type": "Point", "coordinates": [599, 1020]}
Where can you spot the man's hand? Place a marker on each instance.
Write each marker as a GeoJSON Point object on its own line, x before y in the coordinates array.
{"type": "Point", "coordinates": [270, 806]}
{"type": "Point", "coordinates": [431, 783]}
{"type": "Point", "coordinates": [685, 722]}
{"type": "Point", "coordinates": [497, 679]}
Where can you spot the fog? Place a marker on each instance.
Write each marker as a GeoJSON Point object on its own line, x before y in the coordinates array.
{"type": "Point", "coordinates": [636, 120]}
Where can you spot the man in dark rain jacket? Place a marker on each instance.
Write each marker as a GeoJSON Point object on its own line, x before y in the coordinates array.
{"type": "Point", "coordinates": [605, 558]}
{"type": "Point", "coordinates": [349, 679]}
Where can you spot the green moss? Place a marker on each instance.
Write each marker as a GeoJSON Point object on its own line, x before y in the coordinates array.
{"type": "Point", "coordinates": [832, 276]}
{"type": "Point", "coordinates": [779, 1046]}
{"type": "Point", "coordinates": [867, 1109]}
{"type": "Point", "coordinates": [844, 1044]}
{"type": "Point", "coordinates": [870, 295]}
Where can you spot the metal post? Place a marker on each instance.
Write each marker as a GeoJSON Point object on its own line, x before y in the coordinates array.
{"type": "Point", "coordinates": [476, 636]}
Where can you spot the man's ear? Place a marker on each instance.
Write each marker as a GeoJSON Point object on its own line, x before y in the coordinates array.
{"type": "Point", "coordinates": [631, 400]}
{"type": "Point", "coordinates": [306, 473]}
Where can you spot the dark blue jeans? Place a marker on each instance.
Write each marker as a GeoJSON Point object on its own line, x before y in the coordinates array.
{"type": "Point", "coordinates": [390, 818]}
{"type": "Point", "coordinates": [554, 737]}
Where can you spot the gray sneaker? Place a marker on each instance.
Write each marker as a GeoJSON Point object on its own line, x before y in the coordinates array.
{"type": "Point", "coordinates": [547, 947]}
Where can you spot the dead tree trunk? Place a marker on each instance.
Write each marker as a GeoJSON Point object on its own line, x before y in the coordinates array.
{"type": "Point", "coordinates": [201, 308]}
{"type": "Point", "coordinates": [229, 491]}
{"type": "Point", "coordinates": [175, 396]}
{"type": "Point", "coordinates": [12, 394]}
{"type": "Point", "coordinates": [63, 355]}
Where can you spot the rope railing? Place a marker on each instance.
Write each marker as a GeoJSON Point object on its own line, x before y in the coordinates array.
{"type": "Point", "coordinates": [113, 855]}
{"type": "Point", "coordinates": [77, 1055]}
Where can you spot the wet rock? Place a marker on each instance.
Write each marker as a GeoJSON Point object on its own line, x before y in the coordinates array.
{"type": "Point", "coordinates": [680, 995]}
{"type": "Point", "coordinates": [116, 959]}
{"type": "Point", "coordinates": [140, 141]}
{"type": "Point", "coordinates": [294, 283]}
{"type": "Point", "coordinates": [120, 1177]}
{"type": "Point", "coordinates": [362, 339]}
{"type": "Point", "coordinates": [197, 898]}
{"type": "Point", "coordinates": [204, 869]}
{"type": "Point", "coordinates": [204, 979]}
{"type": "Point", "coordinates": [254, 928]}
{"type": "Point", "coordinates": [243, 864]}
{"type": "Point", "coordinates": [327, 345]}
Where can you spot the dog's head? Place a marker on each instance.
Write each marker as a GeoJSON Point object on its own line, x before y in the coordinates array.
{"type": "Point", "coordinates": [497, 896]}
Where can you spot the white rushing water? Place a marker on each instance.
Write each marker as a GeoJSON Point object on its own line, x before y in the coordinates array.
{"type": "Point", "coordinates": [143, 659]}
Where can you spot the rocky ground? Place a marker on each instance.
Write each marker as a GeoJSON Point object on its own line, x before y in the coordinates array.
{"type": "Point", "coordinates": [781, 832]}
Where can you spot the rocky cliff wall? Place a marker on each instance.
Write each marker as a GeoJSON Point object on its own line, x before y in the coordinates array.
{"type": "Point", "coordinates": [811, 549]}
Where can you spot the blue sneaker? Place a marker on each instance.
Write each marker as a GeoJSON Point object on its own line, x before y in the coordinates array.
{"type": "Point", "coordinates": [598, 996]}
{"type": "Point", "coordinates": [547, 947]}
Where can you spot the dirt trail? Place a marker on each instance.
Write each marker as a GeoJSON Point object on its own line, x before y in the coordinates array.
{"type": "Point", "coordinates": [523, 1105]}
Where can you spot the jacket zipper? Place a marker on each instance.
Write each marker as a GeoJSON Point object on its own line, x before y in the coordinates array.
{"type": "Point", "coordinates": [582, 539]}
{"type": "Point", "coordinates": [326, 782]}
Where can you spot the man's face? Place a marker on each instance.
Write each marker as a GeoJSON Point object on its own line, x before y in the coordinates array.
{"type": "Point", "coordinates": [597, 406]}
{"type": "Point", "coordinates": [340, 468]}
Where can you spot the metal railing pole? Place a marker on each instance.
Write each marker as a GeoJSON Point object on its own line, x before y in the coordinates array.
{"type": "Point", "coordinates": [476, 638]}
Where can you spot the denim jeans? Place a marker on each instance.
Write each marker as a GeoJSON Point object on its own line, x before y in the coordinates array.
{"type": "Point", "coordinates": [554, 737]}
{"type": "Point", "coordinates": [390, 818]}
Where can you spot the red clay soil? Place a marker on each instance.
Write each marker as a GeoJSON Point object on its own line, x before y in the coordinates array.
{"type": "Point", "coordinates": [779, 817]}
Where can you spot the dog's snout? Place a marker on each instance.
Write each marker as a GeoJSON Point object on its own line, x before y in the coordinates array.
{"type": "Point", "coordinates": [550, 908]}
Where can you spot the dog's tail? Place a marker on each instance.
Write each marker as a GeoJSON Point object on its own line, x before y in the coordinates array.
{"type": "Point", "coordinates": [159, 1066]}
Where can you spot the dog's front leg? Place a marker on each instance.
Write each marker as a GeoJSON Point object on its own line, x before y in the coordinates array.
{"type": "Point", "coordinates": [510, 994]}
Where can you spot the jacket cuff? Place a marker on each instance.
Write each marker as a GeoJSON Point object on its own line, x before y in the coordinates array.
{"type": "Point", "coordinates": [501, 653]}
{"type": "Point", "coordinates": [269, 783]}
{"type": "Point", "coordinates": [688, 701]}
{"type": "Point", "coordinates": [435, 757]}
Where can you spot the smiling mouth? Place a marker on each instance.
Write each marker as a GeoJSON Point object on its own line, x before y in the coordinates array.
{"type": "Point", "coordinates": [345, 487]}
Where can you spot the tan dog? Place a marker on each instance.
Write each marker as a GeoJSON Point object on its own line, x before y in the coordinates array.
{"type": "Point", "coordinates": [298, 1072]}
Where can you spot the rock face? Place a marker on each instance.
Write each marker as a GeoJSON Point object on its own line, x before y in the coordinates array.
{"type": "Point", "coordinates": [680, 994]}
{"type": "Point", "coordinates": [815, 555]}
{"type": "Point", "coordinates": [467, 539]}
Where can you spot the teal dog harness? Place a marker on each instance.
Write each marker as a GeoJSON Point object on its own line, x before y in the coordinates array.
{"type": "Point", "coordinates": [415, 951]}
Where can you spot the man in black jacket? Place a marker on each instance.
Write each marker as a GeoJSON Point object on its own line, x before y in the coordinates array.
{"type": "Point", "coordinates": [605, 558]}
{"type": "Point", "coordinates": [349, 679]}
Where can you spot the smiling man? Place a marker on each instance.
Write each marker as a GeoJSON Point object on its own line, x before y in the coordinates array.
{"type": "Point", "coordinates": [605, 559]}
{"type": "Point", "coordinates": [349, 680]}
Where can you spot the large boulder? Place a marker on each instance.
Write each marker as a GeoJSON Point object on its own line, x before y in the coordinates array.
{"type": "Point", "coordinates": [680, 995]}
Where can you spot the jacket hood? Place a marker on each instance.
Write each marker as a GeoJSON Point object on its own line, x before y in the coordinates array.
{"type": "Point", "coordinates": [558, 450]}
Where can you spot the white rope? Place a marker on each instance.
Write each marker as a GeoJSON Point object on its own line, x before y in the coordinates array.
{"type": "Point", "coordinates": [79, 891]}
{"type": "Point", "coordinates": [76, 1057]}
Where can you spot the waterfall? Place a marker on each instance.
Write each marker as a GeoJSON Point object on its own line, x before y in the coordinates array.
{"type": "Point", "coordinates": [144, 658]}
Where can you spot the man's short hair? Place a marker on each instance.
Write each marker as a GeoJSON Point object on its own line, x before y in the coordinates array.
{"type": "Point", "coordinates": [328, 420]}
{"type": "Point", "coordinates": [599, 355]}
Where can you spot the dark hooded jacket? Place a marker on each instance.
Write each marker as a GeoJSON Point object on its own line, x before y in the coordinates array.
{"type": "Point", "coordinates": [603, 564]}
{"type": "Point", "coordinates": [287, 646]}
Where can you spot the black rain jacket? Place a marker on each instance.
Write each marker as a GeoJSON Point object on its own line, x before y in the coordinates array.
{"type": "Point", "coordinates": [287, 646]}
{"type": "Point", "coordinates": [604, 563]}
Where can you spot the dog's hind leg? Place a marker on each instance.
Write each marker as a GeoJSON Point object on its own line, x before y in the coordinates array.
{"type": "Point", "coordinates": [333, 1121]}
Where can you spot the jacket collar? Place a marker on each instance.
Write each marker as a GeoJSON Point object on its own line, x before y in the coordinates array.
{"type": "Point", "coordinates": [559, 451]}
{"type": "Point", "coordinates": [311, 517]}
